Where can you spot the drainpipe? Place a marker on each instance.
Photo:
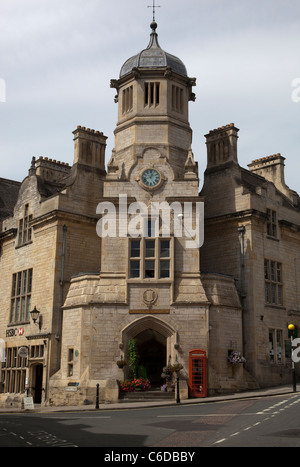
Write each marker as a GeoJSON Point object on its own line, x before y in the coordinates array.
{"type": "Point", "coordinates": [62, 274]}
{"type": "Point", "coordinates": [61, 283]}
{"type": "Point", "coordinates": [242, 231]}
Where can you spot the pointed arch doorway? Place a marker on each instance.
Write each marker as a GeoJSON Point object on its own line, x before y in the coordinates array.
{"type": "Point", "coordinates": [152, 349]}
{"type": "Point", "coordinates": [156, 341]}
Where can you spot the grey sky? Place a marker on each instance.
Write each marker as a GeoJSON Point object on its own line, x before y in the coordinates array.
{"type": "Point", "coordinates": [57, 58]}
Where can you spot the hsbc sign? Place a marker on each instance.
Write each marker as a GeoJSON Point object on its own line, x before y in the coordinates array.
{"type": "Point", "coordinates": [14, 332]}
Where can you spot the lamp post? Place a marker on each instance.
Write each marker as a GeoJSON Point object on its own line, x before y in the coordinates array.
{"type": "Point", "coordinates": [291, 328]}
{"type": "Point", "coordinates": [36, 317]}
{"type": "Point", "coordinates": [178, 389]}
{"type": "Point", "coordinates": [97, 397]}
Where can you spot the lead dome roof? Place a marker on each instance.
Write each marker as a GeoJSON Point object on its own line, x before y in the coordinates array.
{"type": "Point", "coordinates": [153, 57]}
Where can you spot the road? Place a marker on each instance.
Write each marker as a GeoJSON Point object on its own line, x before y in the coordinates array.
{"type": "Point", "coordinates": [270, 421]}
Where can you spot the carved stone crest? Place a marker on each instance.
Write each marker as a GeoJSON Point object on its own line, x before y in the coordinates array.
{"type": "Point", "coordinates": [150, 297]}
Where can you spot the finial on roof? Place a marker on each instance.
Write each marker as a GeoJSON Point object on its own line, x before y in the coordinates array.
{"type": "Point", "coordinates": [153, 26]}
{"type": "Point", "coordinates": [153, 6]}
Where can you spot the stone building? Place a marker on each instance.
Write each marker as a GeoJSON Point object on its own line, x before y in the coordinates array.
{"type": "Point", "coordinates": [111, 254]}
{"type": "Point", "coordinates": [252, 232]}
{"type": "Point", "coordinates": [52, 220]}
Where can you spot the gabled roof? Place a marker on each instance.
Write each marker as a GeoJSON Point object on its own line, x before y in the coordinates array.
{"type": "Point", "coordinates": [9, 190]}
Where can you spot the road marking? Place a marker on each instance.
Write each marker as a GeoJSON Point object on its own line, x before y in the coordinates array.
{"type": "Point", "coordinates": [78, 418]}
{"type": "Point", "coordinates": [264, 412]}
{"type": "Point", "coordinates": [209, 415]}
{"type": "Point", "coordinates": [220, 441]}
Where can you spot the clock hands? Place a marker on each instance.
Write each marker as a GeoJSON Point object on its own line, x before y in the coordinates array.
{"type": "Point", "coordinates": [151, 177]}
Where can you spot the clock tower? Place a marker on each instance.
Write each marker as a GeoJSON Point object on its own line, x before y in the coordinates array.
{"type": "Point", "coordinates": [149, 287]}
{"type": "Point", "coordinates": [153, 92]}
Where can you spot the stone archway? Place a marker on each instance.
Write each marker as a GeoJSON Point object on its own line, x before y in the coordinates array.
{"type": "Point", "coordinates": [156, 342]}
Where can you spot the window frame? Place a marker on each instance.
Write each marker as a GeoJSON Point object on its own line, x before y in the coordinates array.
{"type": "Point", "coordinates": [24, 228]}
{"type": "Point", "coordinates": [127, 100]}
{"type": "Point", "coordinates": [177, 98]}
{"type": "Point", "coordinates": [13, 373]}
{"type": "Point", "coordinates": [151, 94]}
{"type": "Point", "coordinates": [272, 224]}
{"type": "Point", "coordinates": [156, 259]}
{"type": "Point", "coordinates": [276, 357]}
{"type": "Point", "coordinates": [20, 302]}
{"type": "Point", "coordinates": [70, 362]}
{"type": "Point", "coordinates": [273, 283]}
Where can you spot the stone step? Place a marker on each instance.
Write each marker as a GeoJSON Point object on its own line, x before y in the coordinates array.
{"type": "Point", "coordinates": [146, 396]}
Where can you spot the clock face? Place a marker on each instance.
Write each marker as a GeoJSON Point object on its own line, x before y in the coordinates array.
{"type": "Point", "coordinates": [151, 177]}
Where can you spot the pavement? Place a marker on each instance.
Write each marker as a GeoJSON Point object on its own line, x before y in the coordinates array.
{"type": "Point", "coordinates": [267, 392]}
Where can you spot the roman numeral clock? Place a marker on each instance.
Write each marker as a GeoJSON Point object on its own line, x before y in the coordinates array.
{"type": "Point", "coordinates": [151, 179]}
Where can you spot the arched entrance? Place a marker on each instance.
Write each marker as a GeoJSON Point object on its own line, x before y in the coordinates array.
{"type": "Point", "coordinates": [152, 351]}
{"type": "Point", "coordinates": [156, 341]}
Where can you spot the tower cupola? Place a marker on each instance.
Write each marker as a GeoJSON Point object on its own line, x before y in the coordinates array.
{"type": "Point", "coordinates": [153, 94]}
{"type": "Point", "coordinates": [153, 57]}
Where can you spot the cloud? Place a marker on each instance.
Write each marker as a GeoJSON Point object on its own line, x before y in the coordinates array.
{"type": "Point", "coordinates": [57, 59]}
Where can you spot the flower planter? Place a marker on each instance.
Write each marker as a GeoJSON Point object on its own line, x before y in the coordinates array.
{"type": "Point", "coordinates": [121, 363]}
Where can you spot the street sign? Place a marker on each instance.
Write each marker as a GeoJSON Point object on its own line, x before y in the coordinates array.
{"type": "Point", "coordinates": [28, 403]}
{"type": "Point", "coordinates": [23, 351]}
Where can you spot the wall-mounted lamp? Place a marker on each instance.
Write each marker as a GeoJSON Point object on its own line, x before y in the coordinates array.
{"type": "Point", "coordinates": [36, 317]}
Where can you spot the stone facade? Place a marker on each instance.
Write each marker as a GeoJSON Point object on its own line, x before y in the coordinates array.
{"type": "Point", "coordinates": [96, 289]}
{"type": "Point", "coordinates": [52, 220]}
{"type": "Point", "coordinates": [252, 232]}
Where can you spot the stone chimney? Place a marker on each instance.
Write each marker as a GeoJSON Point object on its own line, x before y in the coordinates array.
{"type": "Point", "coordinates": [89, 147]}
{"type": "Point", "coordinates": [222, 146]}
{"type": "Point", "coordinates": [272, 169]}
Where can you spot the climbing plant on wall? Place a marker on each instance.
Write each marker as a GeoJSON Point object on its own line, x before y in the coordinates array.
{"type": "Point", "coordinates": [133, 356]}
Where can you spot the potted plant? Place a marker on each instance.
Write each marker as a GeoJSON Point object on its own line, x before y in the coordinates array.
{"type": "Point", "coordinates": [137, 384]}
{"type": "Point", "coordinates": [141, 384]}
{"type": "Point", "coordinates": [126, 386]}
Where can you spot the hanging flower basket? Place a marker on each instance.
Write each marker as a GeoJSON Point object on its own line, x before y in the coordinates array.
{"type": "Point", "coordinates": [121, 363]}
{"type": "Point", "coordinates": [167, 373]}
{"type": "Point", "coordinates": [176, 367]}
{"type": "Point", "coordinates": [235, 358]}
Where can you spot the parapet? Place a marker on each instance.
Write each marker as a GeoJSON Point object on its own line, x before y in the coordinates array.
{"type": "Point", "coordinates": [272, 169]}
{"type": "Point", "coordinates": [49, 169]}
{"type": "Point", "coordinates": [266, 161]}
{"type": "Point", "coordinates": [222, 128]}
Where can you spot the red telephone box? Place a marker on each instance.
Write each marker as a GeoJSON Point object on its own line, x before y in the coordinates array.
{"type": "Point", "coordinates": [197, 373]}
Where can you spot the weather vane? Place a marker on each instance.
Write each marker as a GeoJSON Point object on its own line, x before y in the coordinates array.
{"type": "Point", "coordinates": [154, 6]}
